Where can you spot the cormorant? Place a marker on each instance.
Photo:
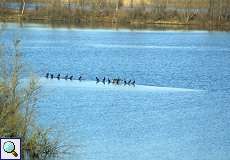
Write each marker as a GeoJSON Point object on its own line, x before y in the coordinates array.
{"type": "Point", "coordinates": [133, 83]}
{"type": "Point", "coordinates": [109, 81]}
{"type": "Point", "coordinates": [52, 76]}
{"type": "Point", "coordinates": [129, 82]}
{"type": "Point", "coordinates": [97, 79]}
{"type": "Point", "coordinates": [80, 78]}
{"type": "Point", "coordinates": [117, 81]}
{"type": "Point", "coordinates": [58, 76]}
{"type": "Point", "coordinates": [103, 80]}
{"type": "Point", "coordinates": [71, 78]}
{"type": "Point", "coordinates": [66, 77]}
{"type": "Point", "coordinates": [125, 82]}
{"type": "Point", "coordinates": [47, 75]}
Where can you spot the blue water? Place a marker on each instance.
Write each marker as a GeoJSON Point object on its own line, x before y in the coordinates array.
{"type": "Point", "coordinates": [179, 109]}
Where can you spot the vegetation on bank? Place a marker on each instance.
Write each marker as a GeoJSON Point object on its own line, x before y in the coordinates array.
{"type": "Point", "coordinates": [183, 12]}
{"type": "Point", "coordinates": [17, 109]}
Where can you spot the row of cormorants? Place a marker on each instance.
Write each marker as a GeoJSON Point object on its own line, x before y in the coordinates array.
{"type": "Point", "coordinates": [52, 76]}
{"type": "Point", "coordinates": [116, 81]}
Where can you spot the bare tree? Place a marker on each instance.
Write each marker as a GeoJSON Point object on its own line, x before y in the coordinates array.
{"type": "Point", "coordinates": [23, 4]}
{"type": "Point", "coordinates": [82, 4]}
{"type": "Point", "coordinates": [131, 3]}
{"type": "Point", "coordinates": [188, 12]}
{"type": "Point", "coordinates": [2, 6]}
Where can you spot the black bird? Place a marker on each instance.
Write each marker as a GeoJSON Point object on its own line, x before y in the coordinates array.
{"type": "Point", "coordinates": [52, 76]}
{"type": "Point", "coordinates": [71, 78]}
{"type": "Point", "coordinates": [80, 78]}
{"type": "Point", "coordinates": [66, 77]}
{"type": "Point", "coordinates": [47, 75]}
{"type": "Point", "coordinates": [109, 81]}
{"type": "Point", "coordinates": [115, 81]}
{"type": "Point", "coordinates": [118, 81]}
{"type": "Point", "coordinates": [129, 82]}
{"type": "Point", "coordinates": [133, 83]}
{"type": "Point", "coordinates": [103, 80]}
{"type": "Point", "coordinates": [97, 79]}
{"type": "Point", "coordinates": [58, 76]}
{"type": "Point", "coordinates": [125, 82]}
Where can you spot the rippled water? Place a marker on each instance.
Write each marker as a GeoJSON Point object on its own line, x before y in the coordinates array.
{"type": "Point", "coordinates": [179, 109]}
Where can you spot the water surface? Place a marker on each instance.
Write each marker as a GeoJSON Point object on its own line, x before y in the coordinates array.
{"type": "Point", "coordinates": [122, 122]}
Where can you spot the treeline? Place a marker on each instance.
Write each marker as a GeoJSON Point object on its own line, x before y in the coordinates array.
{"type": "Point", "coordinates": [125, 11]}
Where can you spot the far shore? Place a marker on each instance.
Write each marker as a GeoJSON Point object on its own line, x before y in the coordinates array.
{"type": "Point", "coordinates": [107, 23]}
{"type": "Point", "coordinates": [204, 15]}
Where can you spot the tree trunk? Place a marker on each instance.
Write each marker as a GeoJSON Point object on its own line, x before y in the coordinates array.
{"type": "Point", "coordinates": [23, 3]}
{"type": "Point", "coordinates": [131, 3]}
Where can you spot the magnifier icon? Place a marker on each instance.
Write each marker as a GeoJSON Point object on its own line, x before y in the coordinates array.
{"type": "Point", "coordinates": [9, 147]}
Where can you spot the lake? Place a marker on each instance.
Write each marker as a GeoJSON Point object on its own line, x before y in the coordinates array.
{"type": "Point", "coordinates": [179, 108]}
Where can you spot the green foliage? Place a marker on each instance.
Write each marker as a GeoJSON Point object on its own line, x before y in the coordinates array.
{"type": "Point", "coordinates": [17, 109]}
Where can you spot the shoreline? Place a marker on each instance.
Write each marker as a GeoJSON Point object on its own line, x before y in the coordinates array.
{"type": "Point", "coordinates": [107, 23]}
